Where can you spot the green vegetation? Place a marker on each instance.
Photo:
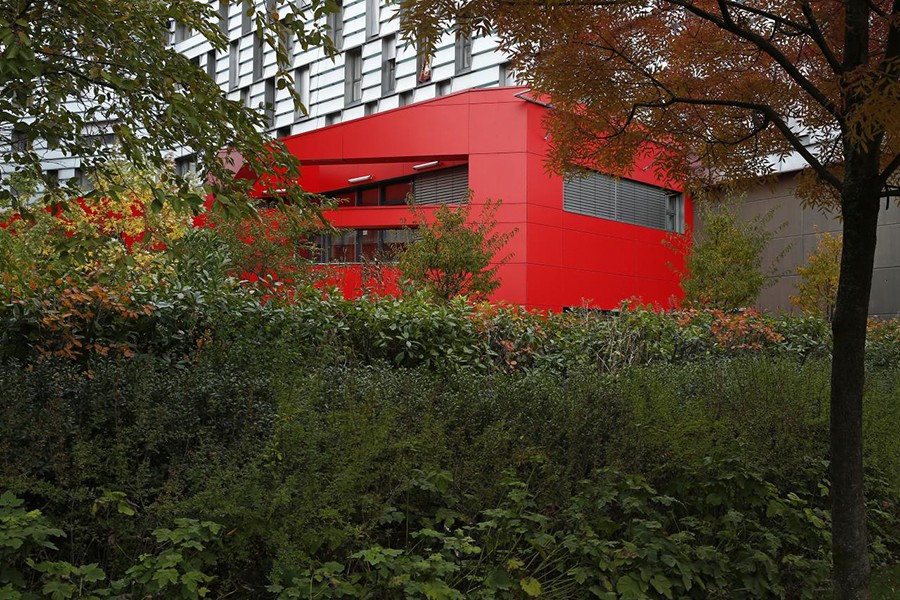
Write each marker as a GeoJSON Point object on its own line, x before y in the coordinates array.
{"type": "Point", "coordinates": [723, 261]}
{"type": "Point", "coordinates": [817, 288]}
{"type": "Point", "coordinates": [454, 255]}
{"type": "Point", "coordinates": [182, 436]}
{"type": "Point", "coordinates": [181, 430]}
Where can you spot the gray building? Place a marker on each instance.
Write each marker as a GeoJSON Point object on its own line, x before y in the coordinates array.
{"type": "Point", "coordinates": [796, 238]}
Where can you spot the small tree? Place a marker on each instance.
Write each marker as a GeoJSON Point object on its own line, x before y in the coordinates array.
{"type": "Point", "coordinates": [723, 265]}
{"type": "Point", "coordinates": [817, 288]}
{"type": "Point", "coordinates": [275, 247]}
{"type": "Point", "coordinates": [453, 256]}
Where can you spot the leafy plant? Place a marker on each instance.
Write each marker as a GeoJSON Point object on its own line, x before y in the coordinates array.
{"type": "Point", "coordinates": [455, 254]}
{"type": "Point", "coordinates": [723, 263]}
{"type": "Point", "coordinates": [817, 287]}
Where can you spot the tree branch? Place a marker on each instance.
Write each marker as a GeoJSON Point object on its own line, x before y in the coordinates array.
{"type": "Point", "coordinates": [725, 23]}
{"type": "Point", "coordinates": [815, 32]}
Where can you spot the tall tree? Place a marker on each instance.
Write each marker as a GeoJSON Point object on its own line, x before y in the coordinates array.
{"type": "Point", "coordinates": [74, 70]}
{"type": "Point", "coordinates": [724, 86]}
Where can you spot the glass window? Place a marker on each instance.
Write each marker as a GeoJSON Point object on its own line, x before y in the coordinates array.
{"type": "Point", "coordinates": [343, 247]}
{"type": "Point", "coordinates": [353, 76]}
{"type": "Point", "coordinates": [373, 17]}
{"type": "Point", "coordinates": [223, 17]}
{"type": "Point", "coordinates": [233, 63]}
{"type": "Point", "coordinates": [335, 22]}
{"type": "Point", "coordinates": [368, 243]}
{"type": "Point", "coordinates": [463, 52]}
{"type": "Point", "coordinates": [345, 199]}
{"type": "Point", "coordinates": [301, 86]}
{"type": "Point", "coordinates": [388, 65]}
{"type": "Point", "coordinates": [396, 193]}
{"type": "Point", "coordinates": [395, 240]}
{"type": "Point", "coordinates": [369, 197]}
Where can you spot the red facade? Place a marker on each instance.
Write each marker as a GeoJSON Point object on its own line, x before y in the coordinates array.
{"type": "Point", "coordinates": [560, 259]}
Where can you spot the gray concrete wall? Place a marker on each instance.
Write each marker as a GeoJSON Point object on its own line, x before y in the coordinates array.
{"type": "Point", "coordinates": [797, 234]}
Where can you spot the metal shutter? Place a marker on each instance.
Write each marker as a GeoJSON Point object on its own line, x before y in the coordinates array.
{"type": "Point", "coordinates": [592, 196]}
{"type": "Point", "coordinates": [448, 186]}
{"type": "Point", "coordinates": [622, 200]}
{"type": "Point", "coordinates": [641, 204]}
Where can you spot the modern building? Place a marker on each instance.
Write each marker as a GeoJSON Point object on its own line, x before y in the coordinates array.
{"type": "Point", "coordinates": [593, 241]}
{"type": "Point", "coordinates": [406, 110]}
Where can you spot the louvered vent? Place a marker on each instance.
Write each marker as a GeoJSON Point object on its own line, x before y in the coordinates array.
{"type": "Point", "coordinates": [621, 200]}
{"type": "Point", "coordinates": [447, 186]}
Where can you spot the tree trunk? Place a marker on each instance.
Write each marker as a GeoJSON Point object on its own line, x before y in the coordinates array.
{"type": "Point", "coordinates": [859, 204]}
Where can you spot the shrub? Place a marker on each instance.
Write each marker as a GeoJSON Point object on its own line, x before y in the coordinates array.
{"type": "Point", "coordinates": [453, 255]}
{"type": "Point", "coordinates": [723, 263]}
{"type": "Point", "coordinates": [817, 287]}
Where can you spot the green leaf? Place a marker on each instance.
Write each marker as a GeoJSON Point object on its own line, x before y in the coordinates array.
{"type": "Point", "coordinates": [629, 588]}
{"type": "Point", "coordinates": [662, 585]}
{"type": "Point", "coordinates": [530, 586]}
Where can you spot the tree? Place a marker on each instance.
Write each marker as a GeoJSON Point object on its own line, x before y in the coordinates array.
{"type": "Point", "coordinates": [723, 263]}
{"type": "Point", "coordinates": [454, 257]}
{"type": "Point", "coordinates": [817, 288]}
{"type": "Point", "coordinates": [71, 71]}
{"type": "Point", "coordinates": [725, 86]}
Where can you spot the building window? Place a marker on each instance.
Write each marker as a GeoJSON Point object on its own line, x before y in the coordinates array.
{"type": "Point", "coordinates": [301, 87]}
{"type": "Point", "coordinates": [258, 53]}
{"type": "Point", "coordinates": [356, 245]}
{"type": "Point", "coordinates": [353, 76]}
{"type": "Point", "coordinates": [186, 165]}
{"type": "Point", "coordinates": [463, 47]}
{"type": "Point", "coordinates": [423, 68]}
{"type": "Point", "coordinates": [211, 66]}
{"type": "Point", "coordinates": [269, 100]}
{"type": "Point", "coordinates": [283, 132]}
{"type": "Point", "coordinates": [443, 88]}
{"type": "Point", "coordinates": [245, 96]}
{"type": "Point", "coordinates": [343, 247]}
{"type": "Point", "coordinates": [286, 45]}
{"type": "Point", "coordinates": [675, 213]}
{"type": "Point", "coordinates": [234, 61]}
{"type": "Point", "coordinates": [97, 134]}
{"type": "Point", "coordinates": [182, 32]}
{"type": "Point", "coordinates": [335, 23]}
{"type": "Point", "coordinates": [84, 180]}
{"type": "Point", "coordinates": [373, 18]}
{"type": "Point", "coordinates": [333, 118]}
{"type": "Point", "coordinates": [507, 74]}
{"type": "Point", "coordinates": [223, 17]}
{"type": "Point", "coordinates": [406, 98]}
{"type": "Point", "coordinates": [625, 201]}
{"type": "Point", "coordinates": [19, 141]}
{"type": "Point", "coordinates": [371, 107]}
{"type": "Point", "coordinates": [246, 22]}
{"type": "Point", "coordinates": [442, 186]}
{"type": "Point", "coordinates": [388, 65]}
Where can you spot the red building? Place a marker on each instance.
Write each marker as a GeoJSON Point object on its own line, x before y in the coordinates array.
{"type": "Point", "coordinates": [593, 241]}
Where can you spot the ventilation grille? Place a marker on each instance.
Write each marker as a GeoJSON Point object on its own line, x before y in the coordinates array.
{"type": "Point", "coordinates": [448, 186]}
{"type": "Point", "coordinates": [616, 199]}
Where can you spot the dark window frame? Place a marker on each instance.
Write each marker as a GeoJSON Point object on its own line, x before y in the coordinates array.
{"type": "Point", "coordinates": [353, 75]}
{"type": "Point", "coordinates": [463, 50]}
{"type": "Point", "coordinates": [388, 65]}
{"type": "Point", "coordinates": [373, 18]}
{"type": "Point", "coordinates": [335, 23]}
{"type": "Point", "coordinates": [259, 51]}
